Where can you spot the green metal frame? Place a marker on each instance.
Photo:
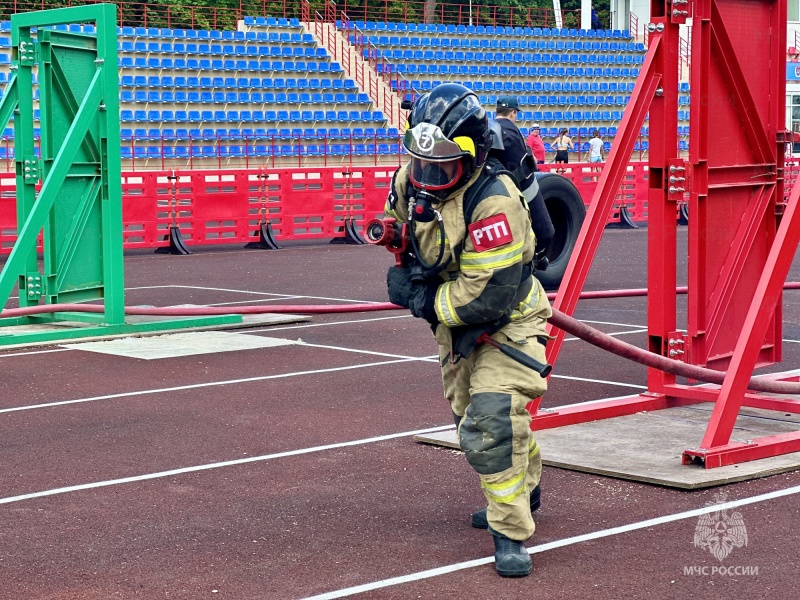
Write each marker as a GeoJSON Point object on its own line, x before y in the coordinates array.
{"type": "Point", "coordinates": [79, 205]}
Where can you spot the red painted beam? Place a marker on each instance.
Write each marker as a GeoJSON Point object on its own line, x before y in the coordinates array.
{"type": "Point", "coordinates": [583, 413]}
{"type": "Point", "coordinates": [739, 452]}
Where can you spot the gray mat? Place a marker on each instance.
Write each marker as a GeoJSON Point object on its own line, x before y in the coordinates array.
{"type": "Point", "coordinates": [248, 321]}
{"type": "Point", "coordinates": [647, 446]}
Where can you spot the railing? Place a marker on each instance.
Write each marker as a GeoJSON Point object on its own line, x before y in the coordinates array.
{"type": "Point", "coordinates": [684, 52]}
{"type": "Point", "coordinates": [254, 151]}
{"type": "Point", "coordinates": [190, 16]}
{"type": "Point", "coordinates": [249, 151]}
{"type": "Point", "coordinates": [367, 78]}
{"type": "Point", "coordinates": [455, 14]}
{"type": "Point", "coordinates": [796, 45]}
{"type": "Point", "coordinates": [633, 25]}
{"type": "Point", "coordinates": [141, 14]}
{"type": "Point", "coordinates": [150, 14]}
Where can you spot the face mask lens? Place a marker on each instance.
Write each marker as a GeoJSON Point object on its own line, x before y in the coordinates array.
{"type": "Point", "coordinates": [435, 175]}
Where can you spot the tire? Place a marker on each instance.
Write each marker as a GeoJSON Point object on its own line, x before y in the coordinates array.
{"type": "Point", "coordinates": [567, 211]}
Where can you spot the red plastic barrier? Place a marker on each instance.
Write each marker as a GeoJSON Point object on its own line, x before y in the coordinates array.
{"type": "Point", "coordinates": [227, 206]}
{"type": "Point", "coordinates": [632, 193]}
{"type": "Point", "coordinates": [8, 212]}
{"type": "Point", "coordinates": [308, 203]}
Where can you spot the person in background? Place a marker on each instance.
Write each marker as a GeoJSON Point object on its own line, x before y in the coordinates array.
{"type": "Point", "coordinates": [595, 153]}
{"type": "Point", "coordinates": [596, 23]}
{"type": "Point", "coordinates": [536, 144]}
{"type": "Point", "coordinates": [563, 144]}
{"type": "Point", "coordinates": [516, 157]}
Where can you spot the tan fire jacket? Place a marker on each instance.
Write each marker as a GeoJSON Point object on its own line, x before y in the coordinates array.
{"type": "Point", "coordinates": [488, 257]}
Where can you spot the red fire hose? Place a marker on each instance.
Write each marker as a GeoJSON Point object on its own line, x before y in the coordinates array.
{"type": "Point", "coordinates": [662, 363]}
{"type": "Point", "coordinates": [197, 311]}
{"type": "Point", "coordinates": [559, 319]}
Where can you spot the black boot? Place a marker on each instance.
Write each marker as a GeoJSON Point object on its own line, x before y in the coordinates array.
{"type": "Point", "coordinates": [479, 520]}
{"type": "Point", "coordinates": [511, 559]}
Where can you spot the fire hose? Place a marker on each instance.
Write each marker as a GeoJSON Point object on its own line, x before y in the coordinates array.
{"type": "Point", "coordinates": [564, 322]}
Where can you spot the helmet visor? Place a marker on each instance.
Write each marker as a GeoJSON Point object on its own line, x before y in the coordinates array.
{"type": "Point", "coordinates": [428, 142]}
{"type": "Point", "coordinates": [435, 175]}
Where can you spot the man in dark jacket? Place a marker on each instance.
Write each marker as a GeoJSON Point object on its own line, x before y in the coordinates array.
{"type": "Point", "coordinates": [516, 156]}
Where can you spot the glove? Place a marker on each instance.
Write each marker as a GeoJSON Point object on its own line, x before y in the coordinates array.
{"type": "Point", "coordinates": [419, 297]}
{"type": "Point", "coordinates": [421, 303]}
{"type": "Point", "coordinates": [398, 282]}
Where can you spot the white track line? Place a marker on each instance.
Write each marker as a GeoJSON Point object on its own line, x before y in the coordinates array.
{"type": "Point", "coordinates": [399, 359]}
{"type": "Point", "coordinates": [375, 585]}
{"type": "Point", "coordinates": [212, 465]}
{"type": "Point", "coordinates": [49, 351]}
{"type": "Point", "coordinates": [614, 334]}
{"type": "Point", "coordinates": [371, 352]}
{"type": "Point", "coordinates": [219, 465]}
{"type": "Point", "coordinates": [598, 401]}
{"type": "Point", "coordinates": [252, 301]}
{"type": "Point", "coordinates": [248, 331]}
{"type": "Point", "coordinates": [603, 381]}
{"type": "Point", "coordinates": [615, 324]}
{"type": "Point", "coordinates": [347, 322]}
{"type": "Point", "coordinates": [195, 386]}
{"type": "Point", "coordinates": [215, 289]}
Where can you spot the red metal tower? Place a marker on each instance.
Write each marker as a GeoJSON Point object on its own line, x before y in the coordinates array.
{"type": "Point", "coordinates": [742, 236]}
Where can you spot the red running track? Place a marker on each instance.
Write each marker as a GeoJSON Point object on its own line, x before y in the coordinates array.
{"type": "Point", "coordinates": [289, 472]}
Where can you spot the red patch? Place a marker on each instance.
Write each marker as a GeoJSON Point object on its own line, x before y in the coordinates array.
{"type": "Point", "coordinates": [490, 232]}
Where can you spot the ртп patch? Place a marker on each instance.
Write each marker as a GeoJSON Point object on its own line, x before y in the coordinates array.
{"type": "Point", "coordinates": [490, 232]}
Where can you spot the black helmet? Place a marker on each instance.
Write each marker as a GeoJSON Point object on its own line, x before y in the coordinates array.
{"type": "Point", "coordinates": [447, 136]}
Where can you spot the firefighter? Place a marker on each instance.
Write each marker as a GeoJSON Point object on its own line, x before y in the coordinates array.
{"type": "Point", "coordinates": [471, 273]}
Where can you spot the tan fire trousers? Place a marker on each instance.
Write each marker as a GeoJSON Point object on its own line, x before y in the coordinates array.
{"type": "Point", "coordinates": [489, 391]}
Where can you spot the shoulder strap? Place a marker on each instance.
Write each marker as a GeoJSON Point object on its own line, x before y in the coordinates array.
{"type": "Point", "coordinates": [486, 185]}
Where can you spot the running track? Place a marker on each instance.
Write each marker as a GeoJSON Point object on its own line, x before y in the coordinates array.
{"type": "Point", "coordinates": [290, 472]}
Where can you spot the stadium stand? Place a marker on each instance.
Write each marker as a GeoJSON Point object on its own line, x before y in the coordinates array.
{"type": "Point", "coordinates": [271, 91]}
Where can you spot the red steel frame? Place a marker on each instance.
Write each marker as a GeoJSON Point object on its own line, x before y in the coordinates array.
{"type": "Point", "coordinates": [741, 241]}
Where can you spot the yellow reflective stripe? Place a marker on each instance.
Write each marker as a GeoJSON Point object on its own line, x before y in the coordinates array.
{"type": "Point", "coordinates": [492, 259]}
{"type": "Point", "coordinates": [450, 308]}
{"type": "Point", "coordinates": [526, 306]}
{"type": "Point", "coordinates": [497, 264]}
{"type": "Point", "coordinates": [505, 492]}
{"type": "Point", "coordinates": [439, 241]}
{"type": "Point", "coordinates": [533, 449]}
{"type": "Point", "coordinates": [444, 306]}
